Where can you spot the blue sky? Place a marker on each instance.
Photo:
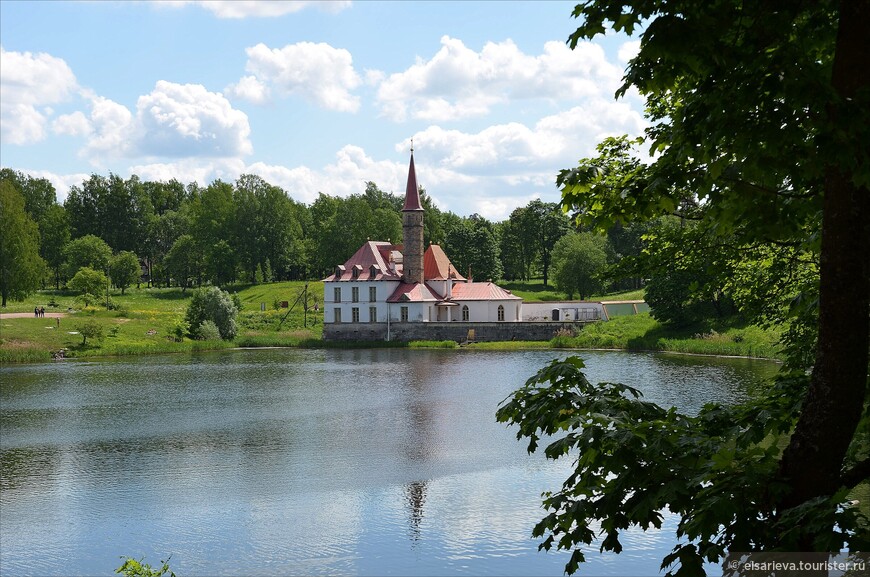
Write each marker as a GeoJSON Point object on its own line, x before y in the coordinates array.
{"type": "Point", "coordinates": [314, 97]}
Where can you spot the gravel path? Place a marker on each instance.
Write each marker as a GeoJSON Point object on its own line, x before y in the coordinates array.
{"type": "Point", "coordinates": [48, 315]}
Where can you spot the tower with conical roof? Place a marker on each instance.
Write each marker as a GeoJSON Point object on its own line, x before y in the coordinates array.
{"type": "Point", "coordinates": [412, 229]}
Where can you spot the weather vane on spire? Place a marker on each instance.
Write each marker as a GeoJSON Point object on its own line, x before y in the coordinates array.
{"type": "Point", "coordinates": [412, 146]}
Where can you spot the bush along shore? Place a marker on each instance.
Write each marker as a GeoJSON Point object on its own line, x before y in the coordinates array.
{"type": "Point", "coordinates": [151, 321]}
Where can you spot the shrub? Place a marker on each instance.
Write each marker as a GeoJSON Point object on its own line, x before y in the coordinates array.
{"type": "Point", "coordinates": [90, 329]}
{"type": "Point", "coordinates": [88, 281]}
{"type": "Point", "coordinates": [178, 329]}
{"type": "Point", "coordinates": [134, 568]}
{"type": "Point", "coordinates": [207, 331]}
{"type": "Point", "coordinates": [216, 305]}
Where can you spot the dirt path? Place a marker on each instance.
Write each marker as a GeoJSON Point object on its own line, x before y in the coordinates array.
{"type": "Point", "coordinates": [48, 315]}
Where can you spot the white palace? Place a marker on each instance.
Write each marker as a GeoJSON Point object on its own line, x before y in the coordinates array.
{"type": "Point", "coordinates": [410, 283]}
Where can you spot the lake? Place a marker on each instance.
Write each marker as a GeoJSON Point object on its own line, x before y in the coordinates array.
{"type": "Point", "coordinates": [289, 462]}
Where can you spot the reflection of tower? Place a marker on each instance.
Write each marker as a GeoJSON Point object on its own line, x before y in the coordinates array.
{"type": "Point", "coordinates": [415, 493]}
{"type": "Point", "coordinates": [412, 229]}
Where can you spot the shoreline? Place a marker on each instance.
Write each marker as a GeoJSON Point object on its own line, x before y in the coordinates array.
{"type": "Point", "coordinates": [319, 344]}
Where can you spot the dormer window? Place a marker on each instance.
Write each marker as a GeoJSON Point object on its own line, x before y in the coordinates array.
{"type": "Point", "coordinates": [374, 270]}
{"type": "Point", "coordinates": [339, 271]}
{"type": "Point", "coordinates": [355, 272]}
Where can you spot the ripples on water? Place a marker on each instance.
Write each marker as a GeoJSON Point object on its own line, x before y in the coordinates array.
{"type": "Point", "coordinates": [301, 462]}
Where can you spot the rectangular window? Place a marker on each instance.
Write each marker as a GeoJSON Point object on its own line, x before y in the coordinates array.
{"type": "Point", "coordinates": [373, 294]}
{"type": "Point", "coordinates": [337, 315]}
{"type": "Point", "coordinates": [373, 314]}
{"type": "Point", "coordinates": [404, 314]}
{"type": "Point", "coordinates": [354, 294]}
{"type": "Point", "coordinates": [336, 294]}
{"type": "Point", "coordinates": [354, 313]}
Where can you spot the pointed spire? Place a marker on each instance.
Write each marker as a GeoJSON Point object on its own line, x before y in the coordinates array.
{"type": "Point", "coordinates": [412, 192]}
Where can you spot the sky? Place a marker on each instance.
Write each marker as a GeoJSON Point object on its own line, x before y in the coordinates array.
{"type": "Point", "coordinates": [311, 96]}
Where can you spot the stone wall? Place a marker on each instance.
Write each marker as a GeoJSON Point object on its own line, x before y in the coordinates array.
{"type": "Point", "coordinates": [453, 331]}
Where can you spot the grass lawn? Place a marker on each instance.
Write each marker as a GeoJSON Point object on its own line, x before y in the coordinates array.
{"type": "Point", "coordinates": [145, 319]}
{"type": "Point", "coordinates": [643, 332]}
{"type": "Point", "coordinates": [534, 291]}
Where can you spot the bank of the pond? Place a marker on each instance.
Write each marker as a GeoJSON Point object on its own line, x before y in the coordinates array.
{"type": "Point", "coordinates": [643, 333]}
{"type": "Point", "coordinates": [132, 335]}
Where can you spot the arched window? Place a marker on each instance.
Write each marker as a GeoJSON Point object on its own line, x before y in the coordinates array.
{"type": "Point", "coordinates": [465, 312]}
{"type": "Point", "coordinates": [500, 312]}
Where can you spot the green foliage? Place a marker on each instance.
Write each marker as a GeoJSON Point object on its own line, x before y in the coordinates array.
{"type": "Point", "coordinates": [178, 329]}
{"type": "Point", "coordinates": [472, 243]}
{"type": "Point", "coordinates": [88, 281]}
{"type": "Point", "coordinates": [124, 269]}
{"type": "Point", "coordinates": [207, 331]}
{"type": "Point", "coordinates": [213, 304]}
{"type": "Point", "coordinates": [134, 568]}
{"type": "Point", "coordinates": [114, 209]}
{"type": "Point", "coordinates": [717, 470]}
{"type": "Point", "coordinates": [90, 251]}
{"type": "Point", "coordinates": [21, 267]}
{"type": "Point", "coordinates": [183, 262]}
{"type": "Point", "coordinates": [55, 234]}
{"type": "Point", "coordinates": [90, 329]}
{"type": "Point", "coordinates": [528, 238]}
{"type": "Point", "coordinates": [579, 259]}
{"type": "Point", "coordinates": [759, 121]}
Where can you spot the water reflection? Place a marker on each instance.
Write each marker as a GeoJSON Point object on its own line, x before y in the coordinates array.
{"type": "Point", "coordinates": [312, 462]}
{"type": "Point", "coordinates": [415, 493]}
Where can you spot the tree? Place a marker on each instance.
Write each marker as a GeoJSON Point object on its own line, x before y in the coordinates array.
{"type": "Point", "coordinates": [89, 282]}
{"type": "Point", "coordinates": [212, 304]}
{"type": "Point", "coordinates": [473, 244]}
{"type": "Point", "coordinates": [761, 111]}
{"type": "Point", "coordinates": [21, 267]}
{"type": "Point", "coordinates": [688, 270]}
{"type": "Point", "coordinates": [163, 231]}
{"type": "Point", "coordinates": [183, 262]}
{"type": "Point", "coordinates": [39, 194]}
{"type": "Point", "coordinates": [113, 209]}
{"type": "Point", "coordinates": [90, 329]}
{"type": "Point", "coordinates": [54, 230]}
{"type": "Point", "coordinates": [528, 238]}
{"type": "Point", "coordinates": [90, 251]}
{"type": "Point", "coordinates": [579, 258]}
{"type": "Point", "coordinates": [124, 269]}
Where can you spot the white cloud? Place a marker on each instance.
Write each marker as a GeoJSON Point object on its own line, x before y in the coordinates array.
{"type": "Point", "coordinates": [628, 50]}
{"type": "Point", "coordinates": [27, 82]}
{"type": "Point", "coordinates": [458, 82]}
{"type": "Point", "coordinates": [75, 124]}
{"type": "Point", "coordinates": [250, 89]}
{"type": "Point", "coordinates": [514, 148]}
{"type": "Point", "coordinates": [203, 171]}
{"type": "Point", "coordinates": [178, 120]}
{"type": "Point", "coordinates": [318, 73]}
{"type": "Point", "coordinates": [238, 9]}
{"type": "Point", "coordinates": [112, 131]}
{"type": "Point", "coordinates": [172, 121]}
{"type": "Point", "coordinates": [347, 175]}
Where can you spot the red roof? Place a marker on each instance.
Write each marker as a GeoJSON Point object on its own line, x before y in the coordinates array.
{"type": "Point", "coordinates": [371, 254]}
{"type": "Point", "coordinates": [481, 291]}
{"type": "Point", "coordinates": [414, 292]}
{"type": "Point", "coordinates": [436, 265]}
{"type": "Point", "coordinates": [412, 193]}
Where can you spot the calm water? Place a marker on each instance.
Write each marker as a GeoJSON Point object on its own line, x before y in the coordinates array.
{"type": "Point", "coordinates": [276, 462]}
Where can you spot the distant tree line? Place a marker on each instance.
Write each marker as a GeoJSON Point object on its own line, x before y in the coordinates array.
{"type": "Point", "coordinates": [250, 231]}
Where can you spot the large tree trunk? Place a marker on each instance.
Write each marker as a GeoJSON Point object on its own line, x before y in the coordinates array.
{"type": "Point", "coordinates": [813, 461]}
